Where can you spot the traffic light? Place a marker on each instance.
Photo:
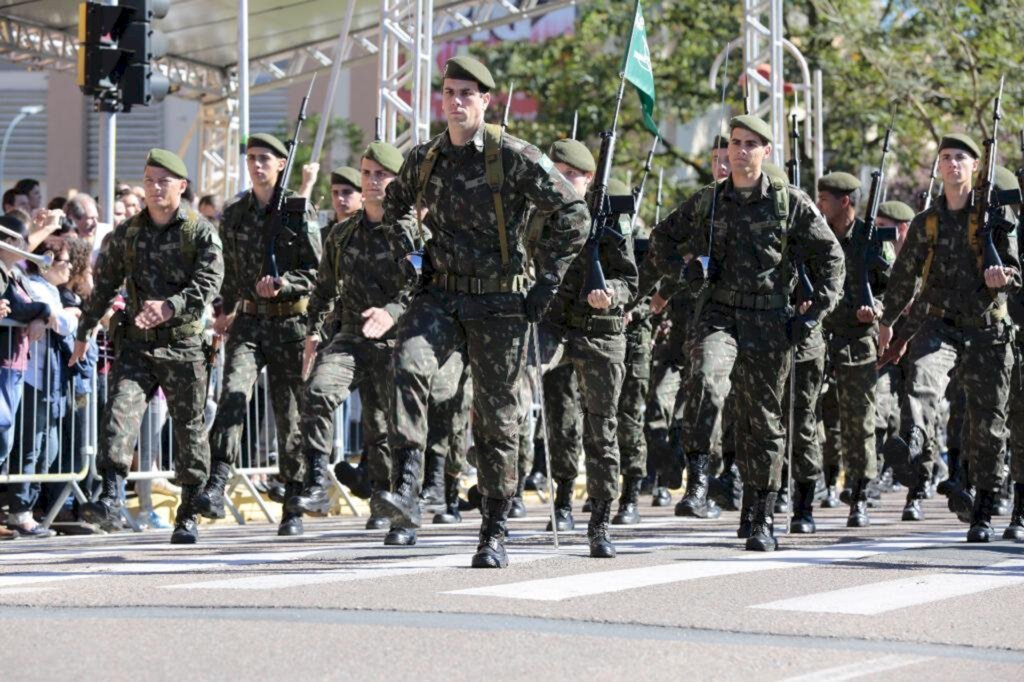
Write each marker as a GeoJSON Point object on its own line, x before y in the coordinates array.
{"type": "Point", "coordinates": [117, 48]}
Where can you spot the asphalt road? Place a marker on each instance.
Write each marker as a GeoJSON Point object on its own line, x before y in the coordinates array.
{"type": "Point", "coordinates": [682, 600]}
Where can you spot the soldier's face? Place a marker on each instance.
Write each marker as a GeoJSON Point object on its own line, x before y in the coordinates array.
{"type": "Point", "coordinates": [464, 105]}
{"type": "Point", "coordinates": [163, 190]}
{"type": "Point", "coordinates": [832, 207]}
{"type": "Point", "coordinates": [956, 166]}
{"type": "Point", "coordinates": [346, 200]}
{"type": "Point", "coordinates": [720, 166]}
{"type": "Point", "coordinates": [264, 166]}
{"type": "Point", "coordinates": [375, 179]}
{"type": "Point", "coordinates": [580, 180]}
{"type": "Point", "coordinates": [747, 151]}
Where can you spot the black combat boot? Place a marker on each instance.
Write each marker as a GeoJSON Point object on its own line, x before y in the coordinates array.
{"type": "Point", "coordinates": [960, 500]}
{"type": "Point", "coordinates": [210, 500]}
{"type": "Point", "coordinates": [803, 509]}
{"type": "Point", "coordinates": [904, 454]}
{"type": "Point", "coordinates": [563, 505]}
{"type": "Point", "coordinates": [377, 522]}
{"type": "Point", "coordinates": [432, 495]}
{"type": "Point", "coordinates": [762, 531]}
{"type": "Point", "coordinates": [747, 511]}
{"type": "Point", "coordinates": [451, 513]}
{"type": "Point", "coordinates": [912, 509]}
{"type": "Point", "coordinates": [355, 479]}
{"type": "Point", "coordinates": [782, 497]}
{"type": "Point", "coordinates": [831, 500]}
{"type": "Point", "coordinates": [629, 513]}
{"type": "Point", "coordinates": [186, 528]}
{"type": "Point", "coordinates": [1015, 531]}
{"type": "Point", "coordinates": [276, 490]}
{"type": "Point", "coordinates": [601, 546]}
{"type": "Point", "coordinates": [400, 537]}
{"type": "Point", "coordinates": [727, 490]}
{"type": "Point", "coordinates": [313, 499]}
{"type": "Point", "coordinates": [402, 507]}
{"type": "Point", "coordinates": [661, 497]}
{"type": "Point", "coordinates": [981, 517]}
{"type": "Point", "coordinates": [490, 553]}
{"type": "Point", "coordinates": [518, 509]}
{"type": "Point", "coordinates": [858, 517]}
{"type": "Point", "coordinates": [953, 465]}
{"type": "Point", "coordinates": [105, 512]}
{"type": "Point", "coordinates": [291, 522]}
{"type": "Point", "coordinates": [695, 502]}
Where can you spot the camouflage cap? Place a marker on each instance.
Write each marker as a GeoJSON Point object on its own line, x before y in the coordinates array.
{"type": "Point", "coordinates": [720, 142]}
{"type": "Point", "coordinates": [169, 161]}
{"type": "Point", "coordinates": [385, 154]}
{"type": "Point", "coordinates": [1005, 179]}
{"type": "Point", "coordinates": [347, 175]}
{"type": "Point", "coordinates": [617, 188]}
{"type": "Point", "coordinates": [573, 153]}
{"type": "Point", "coordinates": [774, 172]}
{"type": "Point", "coordinates": [896, 210]}
{"type": "Point", "coordinates": [466, 68]}
{"type": "Point", "coordinates": [838, 183]}
{"type": "Point", "coordinates": [960, 141]}
{"type": "Point", "coordinates": [754, 125]}
{"type": "Point", "coordinates": [267, 141]}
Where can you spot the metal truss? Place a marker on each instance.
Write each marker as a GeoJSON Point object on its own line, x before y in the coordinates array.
{"type": "Point", "coordinates": [219, 162]}
{"type": "Point", "coordinates": [404, 62]}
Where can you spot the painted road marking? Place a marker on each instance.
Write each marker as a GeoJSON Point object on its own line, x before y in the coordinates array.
{"type": "Point", "coordinates": [852, 671]}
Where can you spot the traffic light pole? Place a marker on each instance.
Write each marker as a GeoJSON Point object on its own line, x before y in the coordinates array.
{"type": "Point", "coordinates": [108, 163]}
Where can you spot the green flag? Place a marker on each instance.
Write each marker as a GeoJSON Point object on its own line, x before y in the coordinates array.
{"type": "Point", "coordinates": [638, 71]}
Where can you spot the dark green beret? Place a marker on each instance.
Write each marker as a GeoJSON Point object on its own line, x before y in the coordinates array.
{"type": "Point", "coordinates": [169, 161]}
{"type": "Point", "coordinates": [617, 188]}
{"type": "Point", "coordinates": [896, 210]}
{"type": "Point", "coordinates": [721, 142]}
{"type": "Point", "coordinates": [960, 141]}
{"type": "Point", "coordinates": [774, 172]}
{"type": "Point", "coordinates": [267, 141]}
{"type": "Point", "coordinates": [573, 153]}
{"type": "Point", "coordinates": [754, 125]}
{"type": "Point", "coordinates": [347, 175]}
{"type": "Point", "coordinates": [838, 183]}
{"type": "Point", "coordinates": [466, 68]}
{"type": "Point", "coordinates": [1005, 179]}
{"type": "Point", "coordinates": [385, 154]}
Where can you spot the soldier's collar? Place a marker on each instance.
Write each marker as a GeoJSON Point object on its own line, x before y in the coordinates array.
{"type": "Point", "coordinates": [477, 141]}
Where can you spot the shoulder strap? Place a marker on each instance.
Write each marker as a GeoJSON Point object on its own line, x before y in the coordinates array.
{"type": "Point", "coordinates": [780, 200]}
{"type": "Point", "coordinates": [189, 233]}
{"type": "Point", "coordinates": [426, 168]}
{"type": "Point", "coordinates": [495, 179]}
{"type": "Point", "coordinates": [131, 239]}
{"type": "Point", "coordinates": [931, 231]}
{"type": "Point", "coordinates": [343, 239]}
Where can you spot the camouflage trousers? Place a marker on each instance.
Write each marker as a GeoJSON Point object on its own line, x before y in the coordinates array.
{"type": "Point", "coordinates": [451, 394]}
{"type": "Point", "coordinates": [983, 361]}
{"type": "Point", "coordinates": [253, 343]}
{"type": "Point", "coordinates": [1017, 419]}
{"type": "Point", "coordinates": [180, 370]}
{"type": "Point", "coordinates": [492, 330]}
{"type": "Point", "coordinates": [848, 408]}
{"type": "Point", "coordinates": [887, 399]}
{"type": "Point", "coordinates": [663, 415]}
{"type": "Point", "coordinates": [350, 362]}
{"type": "Point", "coordinates": [598, 364]}
{"type": "Point", "coordinates": [563, 434]}
{"type": "Point", "coordinates": [748, 355]}
{"type": "Point", "coordinates": [632, 403]}
{"type": "Point", "coordinates": [807, 389]}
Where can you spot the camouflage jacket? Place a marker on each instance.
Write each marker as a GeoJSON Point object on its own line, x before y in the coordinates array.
{"type": "Point", "coordinates": [357, 272]}
{"type": "Point", "coordinates": [880, 256]}
{"type": "Point", "coordinates": [955, 283]}
{"type": "Point", "coordinates": [244, 233]}
{"type": "Point", "coordinates": [163, 270]}
{"type": "Point", "coordinates": [748, 244]}
{"type": "Point", "coordinates": [461, 219]}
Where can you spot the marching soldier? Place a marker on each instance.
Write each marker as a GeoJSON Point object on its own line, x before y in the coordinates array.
{"type": "Point", "coordinates": [745, 325]}
{"type": "Point", "coordinates": [346, 192]}
{"type": "Point", "coordinates": [479, 186]}
{"type": "Point", "coordinates": [265, 319]}
{"type": "Point", "coordinates": [169, 259]}
{"type": "Point", "coordinates": [965, 328]}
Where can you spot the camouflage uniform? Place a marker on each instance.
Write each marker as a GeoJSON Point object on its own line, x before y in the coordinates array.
{"type": "Point", "coordinates": [350, 360]}
{"type": "Point", "coordinates": [451, 394]}
{"type": "Point", "coordinates": [469, 299]}
{"type": "Point", "coordinates": [669, 367]}
{"type": "Point", "coordinates": [267, 332]}
{"type": "Point", "coordinates": [633, 401]}
{"type": "Point", "coordinates": [170, 356]}
{"type": "Point", "coordinates": [810, 371]}
{"type": "Point", "coordinates": [563, 435]}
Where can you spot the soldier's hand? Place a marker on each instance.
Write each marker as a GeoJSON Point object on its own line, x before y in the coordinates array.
{"type": "Point", "coordinates": [538, 298]}
{"type": "Point", "coordinates": [895, 350]}
{"type": "Point", "coordinates": [222, 324]}
{"type": "Point", "coordinates": [884, 337]}
{"type": "Point", "coordinates": [658, 303]}
{"type": "Point", "coordinates": [309, 355]}
{"type": "Point", "coordinates": [601, 300]}
{"type": "Point", "coordinates": [5, 308]}
{"type": "Point", "coordinates": [268, 287]}
{"type": "Point", "coordinates": [378, 322]}
{"type": "Point", "coordinates": [803, 307]}
{"type": "Point", "coordinates": [309, 174]}
{"type": "Point", "coordinates": [153, 314]}
{"type": "Point", "coordinates": [997, 277]}
{"type": "Point", "coordinates": [866, 314]}
{"type": "Point", "coordinates": [78, 353]}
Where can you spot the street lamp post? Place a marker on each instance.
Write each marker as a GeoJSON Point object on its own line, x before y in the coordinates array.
{"type": "Point", "coordinates": [25, 112]}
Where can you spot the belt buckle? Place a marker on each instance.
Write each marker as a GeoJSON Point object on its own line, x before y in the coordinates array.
{"type": "Point", "coordinates": [476, 285]}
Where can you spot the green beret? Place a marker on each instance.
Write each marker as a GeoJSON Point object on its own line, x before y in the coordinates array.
{"type": "Point", "coordinates": [896, 210]}
{"type": "Point", "coordinates": [466, 68]}
{"type": "Point", "coordinates": [617, 188]}
{"type": "Point", "coordinates": [774, 172]}
{"type": "Point", "coordinates": [347, 175]}
{"type": "Point", "coordinates": [385, 154]}
{"type": "Point", "coordinates": [838, 183]}
{"type": "Point", "coordinates": [169, 161]}
{"type": "Point", "coordinates": [573, 153]}
{"type": "Point", "coordinates": [721, 142]}
{"type": "Point", "coordinates": [267, 141]}
{"type": "Point", "coordinates": [1005, 179]}
{"type": "Point", "coordinates": [754, 125]}
{"type": "Point", "coordinates": [960, 141]}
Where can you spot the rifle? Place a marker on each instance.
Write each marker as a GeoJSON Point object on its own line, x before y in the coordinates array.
{"type": "Point", "coordinates": [575, 123]}
{"type": "Point", "coordinates": [283, 212]}
{"type": "Point", "coordinates": [926, 197]}
{"type": "Point", "coordinates": [987, 198]}
{"type": "Point", "coordinates": [875, 233]}
{"type": "Point", "coordinates": [639, 191]}
{"type": "Point", "coordinates": [508, 104]}
{"type": "Point", "coordinates": [1020, 171]}
{"type": "Point", "coordinates": [806, 288]}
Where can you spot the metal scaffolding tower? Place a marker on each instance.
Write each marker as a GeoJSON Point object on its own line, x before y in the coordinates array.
{"type": "Point", "coordinates": [404, 61]}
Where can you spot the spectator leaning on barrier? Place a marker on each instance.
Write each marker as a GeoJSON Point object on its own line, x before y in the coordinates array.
{"type": "Point", "coordinates": [15, 199]}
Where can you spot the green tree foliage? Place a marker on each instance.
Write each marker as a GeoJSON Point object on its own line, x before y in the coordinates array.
{"type": "Point", "coordinates": [339, 131]}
